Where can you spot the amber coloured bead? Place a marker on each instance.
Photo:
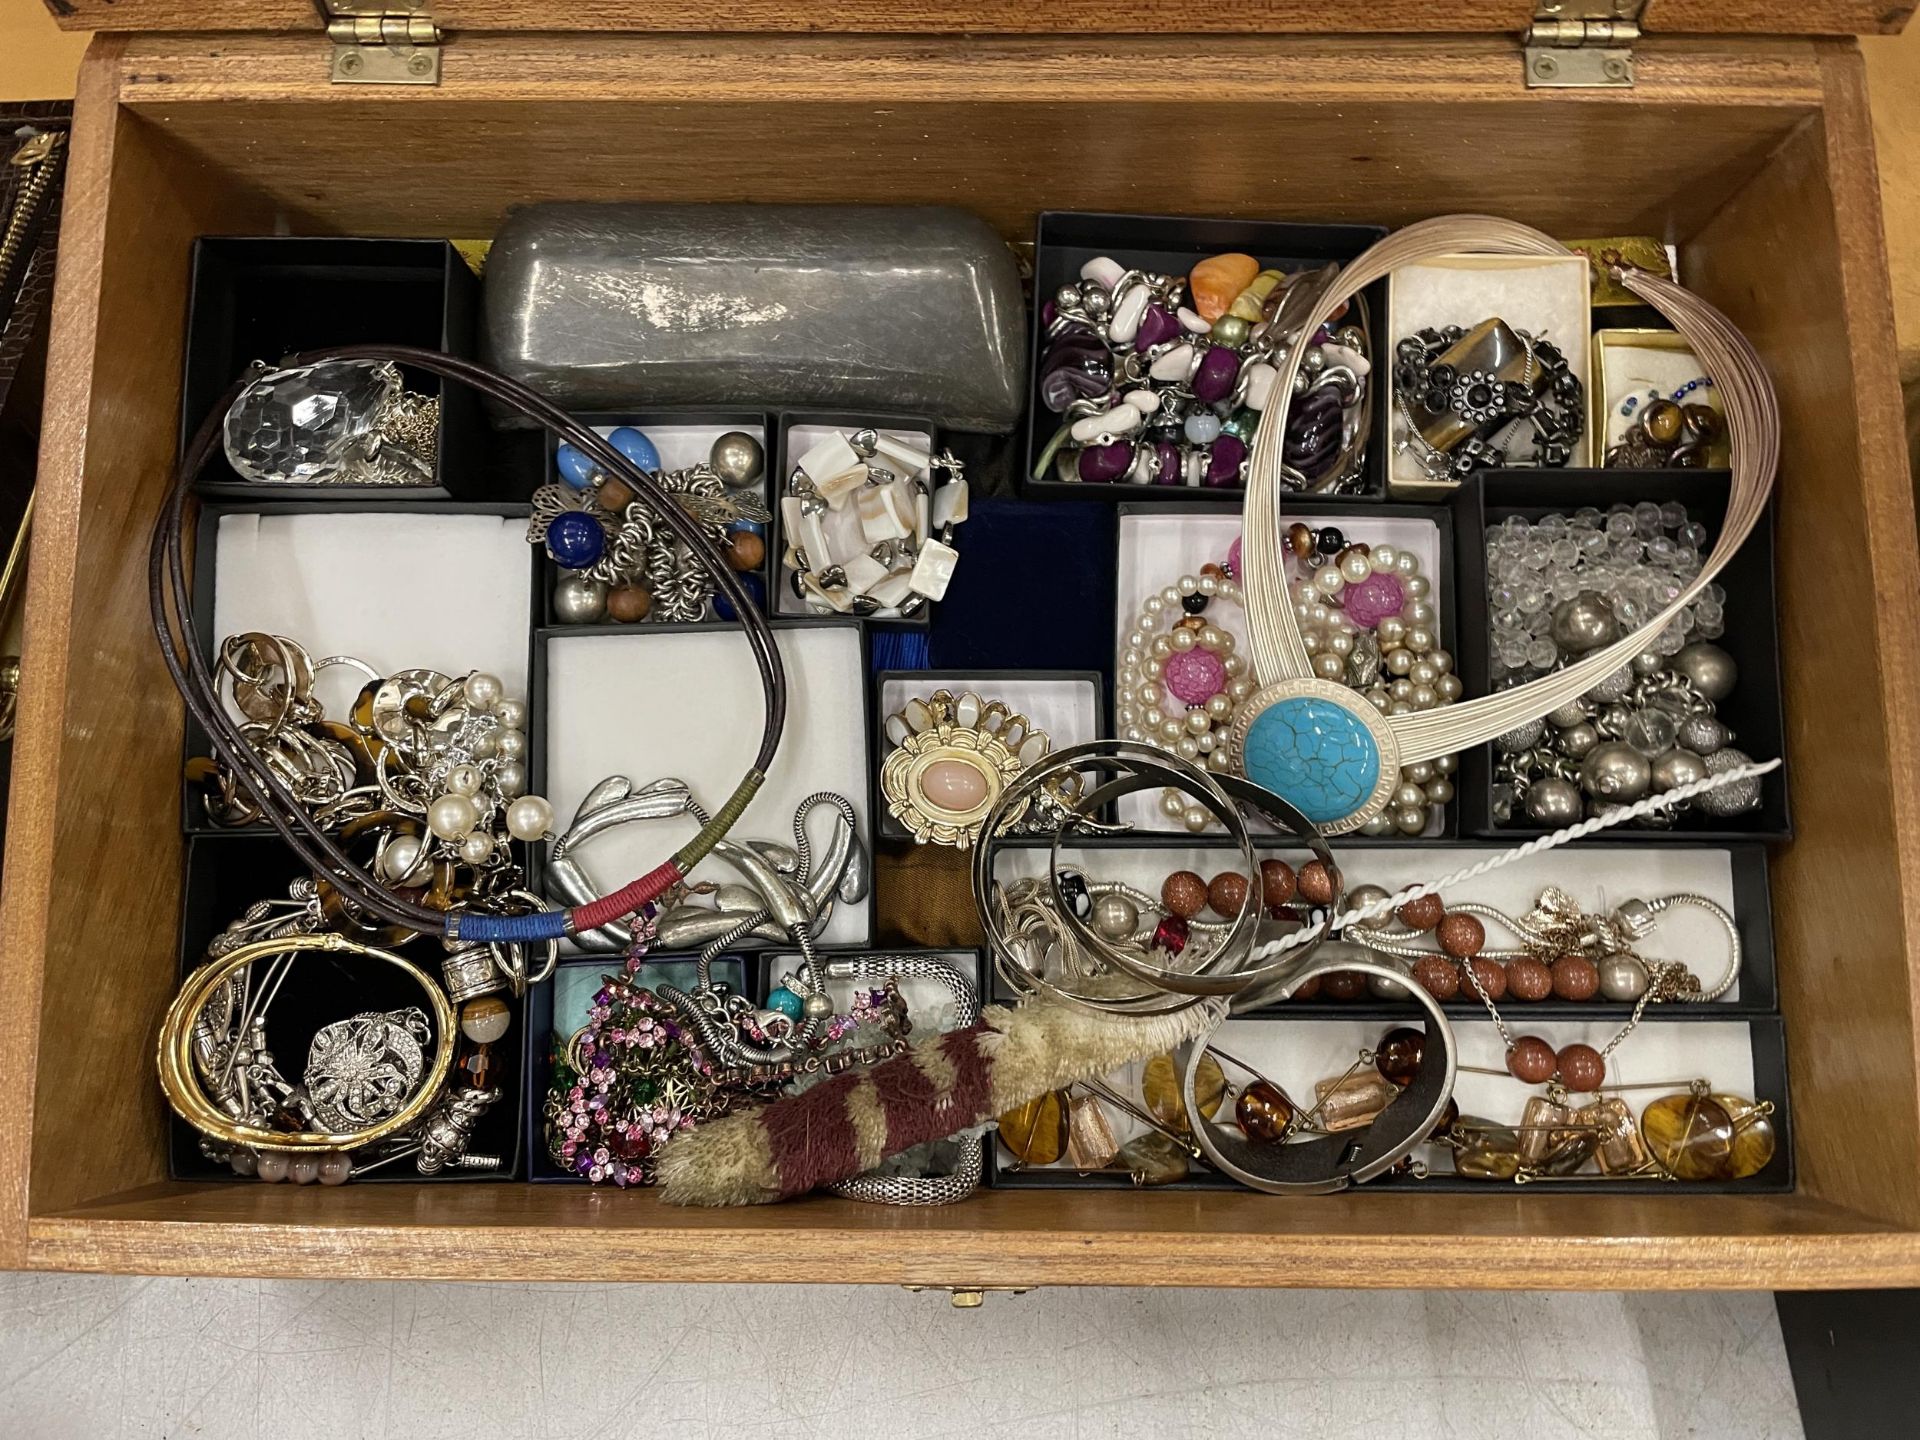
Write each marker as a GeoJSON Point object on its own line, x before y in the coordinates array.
{"type": "Point", "coordinates": [745, 550]}
{"type": "Point", "coordinates": [1184, 894]}
{"type": "Point", "coordinates": [1529, 979]}
{"type": "Point", "coordinates": [477, 1068]}
{"type": "Point", "coordinates": [1484, 1150]}
{"type": "Point", "coordinates": [1531, 1060]}
{"type": "Point", "coordinates": [1226, 893]}
{"type": "Point", "coordinates": [1036, 1132]}
{"type": "Point", "coordinates": [1316, 883]}
{"type": "Point", "coordinates": [1582, 1068]}
{"type": "Point", "coordinates": [1575, 978]}
{"type": "Point", "coordinates": [1754, 1140]}
{"type": "Point", "coordinates": [1461, 936]}
{"type": "Point", "coordinates": [1300, 540]}
{"type": "Point", "coordinates": [1690, 1136]}
{"type": "Point", "coordinates": [1492, 976]}
{"type": "Point", "coordinates": [1160, 1087]}
{"type": "Point", "coordinates": [1662, 421]}
{"type": "Point", "coordinates": [1263, 1111]}
{"type": "Point", "coordinates": [1438, 976]}
{"type": "Point", "coordinates": [1278, 883]}
{"type": "Point", "coordinates": [1422, 913]}
{"type": "Point", "coordinates": [1398, 1055]}
{"type": "Point", "coordinates": [1153, 1159]}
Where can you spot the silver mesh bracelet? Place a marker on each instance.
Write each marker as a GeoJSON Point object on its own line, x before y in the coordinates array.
{"type": "Point", "coordinates": [916, 1189]}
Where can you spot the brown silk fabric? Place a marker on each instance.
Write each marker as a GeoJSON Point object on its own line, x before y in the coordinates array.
{"type": "Point", "coordinates": [923, 895]}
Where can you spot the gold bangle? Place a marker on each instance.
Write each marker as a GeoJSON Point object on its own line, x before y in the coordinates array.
{"type": "Point", "coordinates": [189, 1101]}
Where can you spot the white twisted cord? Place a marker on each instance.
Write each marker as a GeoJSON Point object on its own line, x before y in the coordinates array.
{"type": "Point", "coordinates": [1651, 805]}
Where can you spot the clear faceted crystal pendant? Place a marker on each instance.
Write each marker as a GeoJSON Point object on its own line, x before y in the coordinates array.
{"type": "Point", "coordinates": [1320, 747]}
{"type": "Point", "coordinates": [342, 422]}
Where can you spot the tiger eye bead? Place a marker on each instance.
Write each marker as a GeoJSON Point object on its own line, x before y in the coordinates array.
{"type": "Point", "coordinates": [1398, 1055]}
{"type": "Point", "coordinates": [1531, 1060]}
{"type": "Point", "coordinates": [1575, 978]}
{"type": "Point", "coordinates": [1226, 893]}
{"type": "Point", "coordinates": [1492, 976]}
{"type": "Point", "coordinates": [1278, 883]}
{"type": "Point", "coordinates": [1529, 979]}
{"type": "Point", "coordinates": [1461, 936]}
{"type": "Point", "coordinates": [1184, 894]}
{"type": "Point", "coordinates": [1316, 883]}
{"type": "Point", "coordinates": [1422, 913]}
{"type": "Point", "coordinates": [1438, 976]}
{"type": "Point", "coordinates": [1662, 421]}
{"type": "Point", "coordinates": [1581, 1067]}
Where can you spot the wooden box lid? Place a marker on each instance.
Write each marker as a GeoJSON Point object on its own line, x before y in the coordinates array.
{"type": "Point", "coordinates": [1083, 18]}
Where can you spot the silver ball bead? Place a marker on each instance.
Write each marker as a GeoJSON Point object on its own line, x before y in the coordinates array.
{"type": "Point", "coordinates": [578, 600]}
{"type": "Point", "coordinates": [1677, 768]}
{"type": "Point", "coordinates": [1115, 917]}
{"type": "Point", "coordinates": [1703, 734]}
{"type": "Point", "coordinates": [1577, 740]}
{"type": "Point", "coordinates": [1553, 802]}
{"type": "Point", "coordinates": [1735, 799]}
{"type": "Point", "coordinates": [1613, 687]}
{"type": "Point", "coordinates": [1649, 662]}
{"type": "Point", "coordinates": [737, 458]}
{"type": "Point", "coordinates": [1616, 771]}
{"type": "Point", "coordinates": [1521, 737]}
{"type": "Point", "coordinates": [1584, 623]}
{"type": "Point", "coordinates": [1622, 978]}
{"type": "Point", "coordinates": [1568, 715]}
{"type": "Point", "coordinates": [817, 1006]}
{"type": "Point", "coordinates": [1711, 670]}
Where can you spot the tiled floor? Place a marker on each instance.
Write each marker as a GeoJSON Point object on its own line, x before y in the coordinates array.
{"type": "Point", "coordinates": [109, 1358]}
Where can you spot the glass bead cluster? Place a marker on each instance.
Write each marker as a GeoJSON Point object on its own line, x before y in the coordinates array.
{"type": "Point", "coordinates": [1630, 560]}
{"type": "Point", "coordinates": [1367, 621]}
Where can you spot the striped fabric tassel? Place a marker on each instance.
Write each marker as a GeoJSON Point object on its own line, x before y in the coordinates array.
{"type": "Point", "coordinates": [943, 1085]}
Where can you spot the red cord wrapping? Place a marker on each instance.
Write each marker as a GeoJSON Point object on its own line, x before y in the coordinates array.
{"type": "Point", "coordinates": [644, 891]}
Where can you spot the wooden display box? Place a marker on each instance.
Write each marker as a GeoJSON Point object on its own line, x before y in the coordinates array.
{"type": "Point", "coordinates": [1752, 154]}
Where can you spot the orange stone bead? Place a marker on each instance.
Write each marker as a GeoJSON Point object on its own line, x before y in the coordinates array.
{"type": "Point", "coordinates": [1529, 979]}
{"type": "Point", "coordinates": [1438, 976]}
{"type": "Point", "coordinates": [1316, 883]}
{"type": "Point", "coordinates": [1531, 1060]}
{"type": "Point", "coordinates": [1462, 936]}
{"type": "Point", "coordinates": [1277, 882]}
{"type": "Point", "coordinates": [1343, 985]}
{"type": "Point", "coordinates": [1227, 893]}
{"type": "Point", "coordinates": [1216, 282]}
{"type": "Point", "coordinates": [1491, 975]}
{"type": "Point", "coordinates": [1582, 1068]}
{"type": "Point", "coordinates": [629, 604]}
{"type": "Point", "coordinates": [1575, 978]}
{"type": "Point", "coordinates": [1422, 913]}
{"type": "Point", "coordinates": [745, 550]}
{"type": "Point", "coordinates": [1184, 894]}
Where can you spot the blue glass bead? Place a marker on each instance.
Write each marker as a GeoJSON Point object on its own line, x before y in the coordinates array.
{"type": "Point", "coordinates": [1315, 754]}
{"type": "Point", "coordinates": [752, 527]}
{"type": "Point", "coordinates": [574, 467]}
{"type": "Point", "coordinates": [723, 607]}
{"type": "Point", "coordinates": [575, 540]}
{"type": "Point", "coordinates": [786, 1002]}
{"type": "Point", "coordinates": [636, 447]}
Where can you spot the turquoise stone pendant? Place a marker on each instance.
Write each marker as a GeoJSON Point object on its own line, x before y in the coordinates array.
{"type": "Point", "coordinates": [1322, 748]}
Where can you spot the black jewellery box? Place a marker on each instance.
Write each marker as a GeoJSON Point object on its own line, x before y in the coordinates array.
{"type": "Point", "coordinates": [1753, 711]}
{"type": "Point", "coordinates": [989, 685]}
{"type": "Point", "coordinates": [1215, 529]}
{"type": "Point", "coordinates": [670, 431]}
{"type": "Point", "coordinates": [312, 586]}
{"type": "Point", "coordinates": [225, 874]}
{"type": "Point", "coordinates": [784, 599]}
{"type": "Point", "coordinates": [1064, 240]}
{"type": "Point", "coordinates": [1762, 1041]}
{"type": "Point", "coordinates": [739, 729]}
{"type": "Point", "coordinates": [264, 298]}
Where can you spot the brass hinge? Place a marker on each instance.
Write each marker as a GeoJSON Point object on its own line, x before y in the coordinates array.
{"type": "Point", "coordinates": [968, 1297]}
{"type": "Point", "coordinates": [395, 43]}
{"type": "Point", "coordinates": [1583, 44]}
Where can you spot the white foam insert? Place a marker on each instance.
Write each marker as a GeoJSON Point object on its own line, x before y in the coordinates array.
{"type": "Point", "coordinates": [1631, 363]}
{"type": "Point", "coordinates": [687, 704]}
{"type": "Point", "coordinates": [1156, 549]}
{"type": "Point", "coordinates": [842, 525]}
{"type": "Point", "coordinates": [1293, 1054]}
{"type": "Point", "coordinates": [364, 583]}
{"type": "Point", "coordinates": [930, 1006]}
{"type": "Point", "coordinates": [682, 446]}
{"type": "Point", "coordinates": [1068, 710]}
{"type": "Point", "coordinates": [1546, 296]}
{"type": "Point", "coordinates": [1597, 879]}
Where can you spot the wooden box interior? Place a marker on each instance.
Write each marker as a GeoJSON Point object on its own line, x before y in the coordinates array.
{"type": "Point", "coordinates": [1754, 157]}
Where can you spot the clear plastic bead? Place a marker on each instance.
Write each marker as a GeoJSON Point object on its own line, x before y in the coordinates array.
{"type": "Point", "coordinates": [1673, 515]}
{"type": "Point", "coordinates": [1542, 654]}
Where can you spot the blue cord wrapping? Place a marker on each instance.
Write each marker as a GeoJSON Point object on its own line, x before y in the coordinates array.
{"type": "Point", "coordinates": [511, 929]}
